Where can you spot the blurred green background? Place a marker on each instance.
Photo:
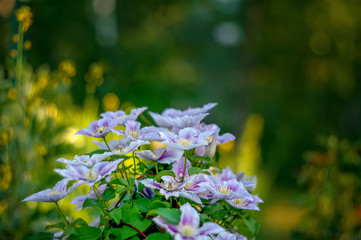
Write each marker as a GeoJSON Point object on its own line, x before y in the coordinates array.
{"type": "Point", "coordinates": [286, 76]}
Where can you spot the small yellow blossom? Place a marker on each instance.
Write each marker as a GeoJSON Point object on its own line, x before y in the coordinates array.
{"type": "Point", "coordinates": [15, 38]}
{"type": "Point", "coordinates": [111, 102]}
{"type": "Point", "coordinates": [25, 17]}
{"type": "Point", "coordinates": [27, 45]}
{"type": "Point", "coordinates": [68, 68]}
{"type": "Point", "coordinates": [13, 53]}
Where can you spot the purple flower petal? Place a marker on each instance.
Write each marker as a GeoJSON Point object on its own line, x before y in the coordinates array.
{"type": "Point", "coordinates": [150, 183]}
{"type": "Point", "coordinates": [171, 155]}
{"type": "Point", "coordinates": [225, 138]}
{"type": "Point", "coordinates": [195, 111]}
{"type": "Point", "coordinates": [189, 216]}
{"type": "Point", "coordinates": [147, 155]}
{"type": "Point", "coordinates": [163, 224]}
{"type": "Point", "coordinates": [211, 228]}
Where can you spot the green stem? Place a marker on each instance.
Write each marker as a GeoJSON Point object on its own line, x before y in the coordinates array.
{"type": "Point", "coordinates": [135, 167]}
{"type": "Point", "coordinates": [61, 213]}
{"type": "Point", "coordinates": [126, 174]}
{"type": "Point", "coordinates": [99, 198]}
{"type": "Point", "coordinates": [106, 143]}
{"type": "Point", "coordinates": [156, 167]}
{"type": "Point", "coordinates": [19, 59]}
{"type": "Point", "coordinates": [219, 209]}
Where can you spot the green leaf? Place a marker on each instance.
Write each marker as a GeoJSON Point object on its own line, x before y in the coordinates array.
{"type": "Point", "coordinates": [158, 236]}
{"type": "Point", "coordinates": [212, 209]}
{"type": "Point", "coordinates": [138, 223]}
{"type": "Point", "coordinates": [86, 233]}
{"type": "Point", "coordinates": [59, 225]}
{"type": "Point", "coordinates": [117, 232]}
{"type": "Point", "coordinates": [156, 203]}
{"type": "Point", "coordinates": [143, 204]}
{"type": "Point", "coordinates": [195, 170]}
{"type": "Point", "coordinates": [116, 214]}
{"type": "Point", "coordinates": [81, 222]}
{"type": "Point", "coordinates": [251, 224]}
{"type": "Point", "coordinates": [89, 202]}
{"type": "Point", "coordinates": [120, 181]}
{"type": "Point", "coordinates": [200, 158]}
{"type": "Point", "coordinates": [164, 173]}
{"type": "Point", "coordinates": [108, 194]}
{"type": "Point", "coordinates": [131, 215]}
{"type": "Point", "coordinates": [171, 215]}
{"type": "Point", "coordinates": [41, 236]}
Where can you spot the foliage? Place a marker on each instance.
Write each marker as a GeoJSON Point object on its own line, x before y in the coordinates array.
{"type": "Point", "coordinates": [331, 178]}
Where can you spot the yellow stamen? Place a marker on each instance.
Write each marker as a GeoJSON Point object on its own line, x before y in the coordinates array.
{"type": "Point", "coordinates": [184, 142]}
{"type": "Point", "coordinates": [188, 231]}
{"type": "Point", "coordinates": [224, 190]}
{"type": "Point", "coordinates": [239, 202]}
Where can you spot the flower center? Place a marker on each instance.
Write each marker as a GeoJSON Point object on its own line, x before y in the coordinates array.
{"type": "Point", "coordinates": [119, 150]}
{"type": "Point", "coordinates": [91, 175]}
{"type": "Point", "coordinates": [184, 142]}
{"type": "Point", "coordinates": [208, 139]}
{"type": "Point", "coordinates": [224, 190]}
{"type": "Point", "coordinates": [190, 185]}
{"type": "Point", "coordinates": [133, 133]}
{"type": "Point", "coordinates": [100, 129]}
{"type": "Point", "coordinates": [240, 202]}
{"type": "Point", "coordinates": [188, 231]}
{"type": "Point", "coordinates": [169, 186]}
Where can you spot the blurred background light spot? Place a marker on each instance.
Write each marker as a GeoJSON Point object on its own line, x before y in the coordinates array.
{"type": "Point", "coordinates": [320, 44]}
{"type": "Point", "coordinates": [103, 7]}
{"type": "Point", "coordinates": [227, 33]}
{"type": "Point", "coordinates": [111, 102]}
{"type": "Point", "coordinates": [106, 31]}
{"type": "Point", "coordinates": [105, 22]}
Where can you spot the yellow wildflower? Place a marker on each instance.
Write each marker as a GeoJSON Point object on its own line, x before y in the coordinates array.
{"type": "Point", "coordinates": [24, 17]}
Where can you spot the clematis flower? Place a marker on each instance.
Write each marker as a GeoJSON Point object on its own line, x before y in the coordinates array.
{"type": "Point", "coordinates": [188, 226]}
{"type": "Point", "coordinates": [232, 191]}
{"type": "Point", "coordinates": [225, 190]}
{"type": "Point", "coordinates": [199, 110]}
{"type": "Point", "coordinates": [120, 117]}
{"type": "Point", "coordinates": [227, 174]}
{"type": "Point", "coordinates": [187, 139]}
{"type": "Point", "coordinates": [100, 128]}
{"type": "Point", "coordinates": [177, 122]}
{"type": "Point", "coordinates": [161, 155]}
{"type": "Point", "coordinates": [169, 187]}
{"type": "Point", "coordinates": [133, 132]}
{"type": "Point", "coordinates": [245, 202]}
{"type": "Point", "coordinates": [220, 139]}
{"type": "Point", "coordinates": [173, 187]}
{"type": "Point", "coordinates": [58, 192]}
{"type": "Point", "coordinates": [171, 117]}
{"type": "Point", "coordinates": [86, 160]}
{"type": "Point", "coordinates": [89, 176]}
{"type": "Point", "coordinates": [122, 146]}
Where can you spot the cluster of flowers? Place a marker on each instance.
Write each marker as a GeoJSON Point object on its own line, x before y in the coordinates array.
{"type": "Point", "coordinates": [180, 172]}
